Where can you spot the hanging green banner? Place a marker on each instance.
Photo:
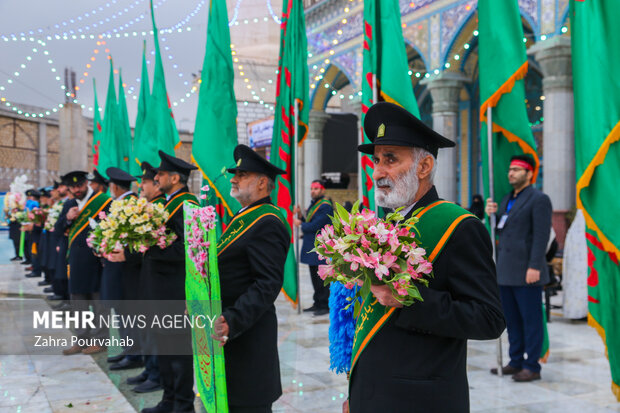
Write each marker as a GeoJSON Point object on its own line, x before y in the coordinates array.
{"type": "Point", "coordinates": [202, 292]}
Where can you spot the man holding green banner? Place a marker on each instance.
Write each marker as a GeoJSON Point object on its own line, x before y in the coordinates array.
{"type": "Point", "coordinates": [251, 257]}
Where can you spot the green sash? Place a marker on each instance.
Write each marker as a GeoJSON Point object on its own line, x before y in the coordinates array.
{"type": "Point", "coordinates": [176, 202]}
{"type": "Point", "coordinates": [159, 199]}
{"type": "Point", "coordinates": [315, 207]}
{"type": "Point", "coordinates": [90, 210]}
{"type": "Point", "coordinates": [244, 221]}
{"type": "Point", "coordinates": [436, 225]}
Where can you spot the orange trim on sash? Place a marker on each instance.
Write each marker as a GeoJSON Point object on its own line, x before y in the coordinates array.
{"type": "Point", "coordinates": [79, 231]}
{"type": "Point", "coordinates": [372, 332]}
{"type": "Point", "coordinates": [243, 232]}
{"type": "Point", "coordinates": [178, 206]}
{"type": "Point", "coordinates": [445, 237]}
{"type": "Point", "coordinates": [428, 208]}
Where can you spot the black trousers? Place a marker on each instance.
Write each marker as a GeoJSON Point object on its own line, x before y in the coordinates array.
{"type": "Point", "coordinates": [321, 292]}
{"type": "Point", "coordinates": [176, 370]}
{"type": "Point", "coordinates": [90, 302]}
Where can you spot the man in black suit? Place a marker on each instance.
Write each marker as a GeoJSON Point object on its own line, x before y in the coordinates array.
{"type": "Point", "coordinates": [523, 233]}
{"type": "Point", "coordinates": [416, 359]}
{"type": "Point", "coordinates": [164, 273]}
{"type": "Point", "coordinates": [60, 285]}
{"type": "Point", "coordinates": [84, 268]}
{"type": "Point", "coordinates": [251, 269]}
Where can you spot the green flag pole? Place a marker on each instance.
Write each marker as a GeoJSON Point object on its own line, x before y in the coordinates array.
{"type": "Point", "coordinates": [492, 219]}
{"type": "Point", "coordinates": [22, 239]}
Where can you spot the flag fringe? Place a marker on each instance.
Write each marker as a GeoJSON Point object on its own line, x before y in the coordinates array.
{"type": "Point", "coordinates": [584, 182]}
{"type": "Point", "coordinates": [511, 137]}
{"type": "Point", "coordinates": [212, 185]}
{"type": "Point", "coordinates": [178, 145]}
{"type": "Point", "coordinates": [289, 299]}
{"type": "Point", "coordinates": [615, 389]}
{"type": "Point", "coordinates": [493, 100]}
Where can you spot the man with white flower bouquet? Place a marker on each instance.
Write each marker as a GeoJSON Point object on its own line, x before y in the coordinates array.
{"type": "Point", "coordinates": [410, 346]}
{"type": "Point", "coordinates": [164, 269]}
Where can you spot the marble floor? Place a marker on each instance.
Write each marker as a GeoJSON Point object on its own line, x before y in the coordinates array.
{"type": "Point", "coordinates": [575, 379]}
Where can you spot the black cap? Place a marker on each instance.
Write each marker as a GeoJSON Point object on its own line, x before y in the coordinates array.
{"type": "Point", "coordinates": [119, 177]}
{"type": "Point", "coordinates": [34, 193]}
{"type": "Point", "coordinates": [148, 171]}
{"type": "Point", "coordinates": [171, 164]}
{"type": "Point", "coordinates": [45, 191]}
{"type": "Point", "coordinates": [98, 178]}
{"type": "Point", "coordinates": [389, 124]}
{"type": "Point", "coordinates": [56, 184]}
{"type": "Point", "coordinates": [250, 161]}
{"type": "Point", "coordinates": [74, 178]}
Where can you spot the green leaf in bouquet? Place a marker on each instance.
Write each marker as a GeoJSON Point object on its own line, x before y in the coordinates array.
{"type": "Point", "coordinates": [357, 307]}
{"type": "Point", "coordinates": [355, 209]}
{"type": "Point", "coordinates": [365, 290]}
{"type": "Point", "coordinates": [352, 237]}
{"type": "Point", "coordinates": [342, 212]}
{"type": "Point", "coordinates": [415, 293]}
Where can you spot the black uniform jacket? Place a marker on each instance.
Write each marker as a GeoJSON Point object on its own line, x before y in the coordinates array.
{"type": "Point", "coordinates": [84, 266]}
{"type": "Point", "coordinates": [417, 361]}
{"type": "Point", "coordinates": [163, 273]}
{"type": "Point", "coordinates": [61, 240]}
{"type": "Point", "coordinates": [251, 276]}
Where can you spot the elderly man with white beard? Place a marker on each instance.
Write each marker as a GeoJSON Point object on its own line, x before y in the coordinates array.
{"type": "Point", "coordinates": [413, 359]}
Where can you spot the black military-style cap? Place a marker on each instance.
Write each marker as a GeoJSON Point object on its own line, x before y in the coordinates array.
{"type": "Point", "coordinates": [75, 178]}
{"type": "Point", "coordinates": [33, 193]}
{"type": "Point", "coordinates": [45, 191]}
{"type": "Point", "coordinates": [56, 184]}
{"type": "Point", "coordinates": [96, 177]}
{"type": "Point", "coordinates": [250, 161]}
{"type": "Point", "coordinates": [148, 171]}
{"type": "Point", "coordinates": [171, 164]}
{"type": "Point", "coordinates": [119, 177]}
{"type": "Point", "coordinates": [390, 124]}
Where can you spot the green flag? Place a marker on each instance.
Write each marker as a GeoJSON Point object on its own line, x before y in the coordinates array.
{"type": "Point", "coordinates": [108, 149]}
{"type": "Point", "coordinates": [215, 132]}
{"type": "Point", "coordinates": [292, 91]}
{"type": "Point", "coordinates": [385, 63]}
{"type": "Point", "coordinates": [145, 93]}
{"type": "Point", "coordinates": [97, 129]}
{"type": "Point", "coordinates": [123, 128]}
{"type": "Point", "coordinates": [503, 65]}
{"type": "Point", "coordinates": [596, 58]}
{"type": "Point", "coordinates": [159, 131]}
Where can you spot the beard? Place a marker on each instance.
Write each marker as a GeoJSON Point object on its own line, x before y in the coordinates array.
{"type": "Point", "coordinates": [401, 192]}
{"type": "Point", "coordinates": [245, 195]}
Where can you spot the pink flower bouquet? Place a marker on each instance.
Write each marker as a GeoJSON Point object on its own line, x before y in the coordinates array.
{"type": "Point", "coordinates": [360, 248]}
{"type": "Point", "coordinates": [133, 223]}
{"type": "Point", "coordinates": [200, 222]}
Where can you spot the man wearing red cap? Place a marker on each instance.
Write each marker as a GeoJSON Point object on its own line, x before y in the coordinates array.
{"type": "Point", "coordinates": [523, 232]}
{"type": "Point", "coordinates": [317, 216]}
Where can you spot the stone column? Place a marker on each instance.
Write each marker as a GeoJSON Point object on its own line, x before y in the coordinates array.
{"type": "Point", "coordinates": [313, 153]}
{"type": "Point", "coordinates": [73, 139]}
{"type": "Point", "coordinates": [554, 57]}
{"type": "Point", "coordinates": [445, 90]}
{"type": "Point", "coordinates": [42, 154]}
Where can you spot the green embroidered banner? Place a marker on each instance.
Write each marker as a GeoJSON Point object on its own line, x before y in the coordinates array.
{"type": "Point", "coordinates": [204, 298]}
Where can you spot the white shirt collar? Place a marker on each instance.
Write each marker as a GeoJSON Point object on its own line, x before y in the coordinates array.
{"type": "Point", "coordinates": [173, 194]}
{"type": "Point", "coordinates": [83, 201]}
{"type": "Point", "coordinates": [408, 209]}
{"type": "Point", "coordinates": [123, 196]}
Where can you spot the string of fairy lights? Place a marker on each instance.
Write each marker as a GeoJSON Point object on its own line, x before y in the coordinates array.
{"type": "Point", "coordinates": [63, 31]}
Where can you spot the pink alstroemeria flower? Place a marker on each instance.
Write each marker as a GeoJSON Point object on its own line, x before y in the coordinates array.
{"type": "Point", "coordinates": [325, 271]}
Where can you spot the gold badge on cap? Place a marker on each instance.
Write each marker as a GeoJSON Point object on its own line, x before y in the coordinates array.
{"type": "Point", "coordinates": [74, 179]}
{"type": "Point", "coordinates": [239, 162]}
{"type": "Point", "coordinates": [144, 172]}
{"type": "Point", "coordinates": [381, 131]}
